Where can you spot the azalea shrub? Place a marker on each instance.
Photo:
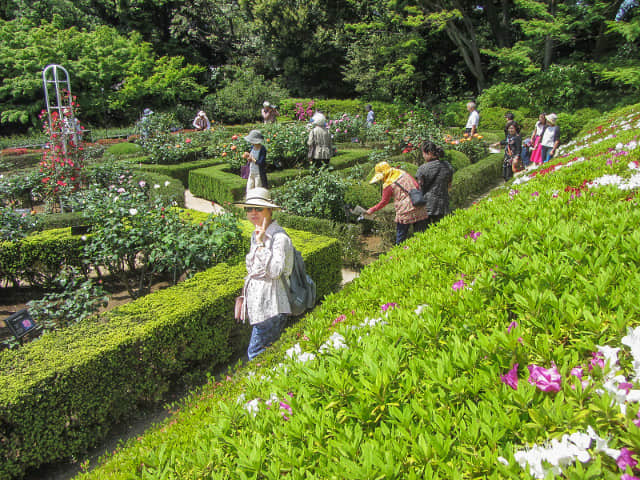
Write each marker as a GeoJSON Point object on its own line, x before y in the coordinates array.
{"type": "Point", "coordinates": [501, 343]}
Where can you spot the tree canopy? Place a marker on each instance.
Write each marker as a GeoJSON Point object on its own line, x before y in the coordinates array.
{"type": "Point", "coordinates": [127, 54]}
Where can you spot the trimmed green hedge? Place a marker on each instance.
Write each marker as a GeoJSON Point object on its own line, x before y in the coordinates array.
{"type": "Point", "coordinates": [60, 395]}
{"type": "Point", "coordinates": [39, 257]}
{"type": "Point", "coordinates": [219, 185]}
{"type": "Point", "coordinates": [475, 180]}
{"type": "Point", "coordinates": [181, 171]}
{"type": "Point", "coordinates": [458, 160]}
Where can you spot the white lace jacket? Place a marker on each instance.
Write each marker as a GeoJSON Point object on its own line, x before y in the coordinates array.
{"type": "Point", "coordinates": [267, 268]}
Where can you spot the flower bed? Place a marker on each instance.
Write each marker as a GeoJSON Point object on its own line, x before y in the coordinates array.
{"type": "Point", "coordinates": [61, 394]}
{"type": "Point", "coordinates": [453, 356]}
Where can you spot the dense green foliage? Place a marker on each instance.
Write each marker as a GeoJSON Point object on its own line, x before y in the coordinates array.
{"type": "Point", "coordinates": [229, 57]}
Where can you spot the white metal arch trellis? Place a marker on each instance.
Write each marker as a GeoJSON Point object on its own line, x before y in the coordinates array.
{"type": "Point", "coordinates": [58, 98]}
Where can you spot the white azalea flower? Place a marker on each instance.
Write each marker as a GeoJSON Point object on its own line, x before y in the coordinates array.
{"type": "Point", "coordinates": [372, 322]}
{"type": "Point", "coordinates": [253, 406]}
{"type": "Point", "coordinates": [156, 185]}
{"type": "Point", "coordinates": [335, 341]}
{"type": "Point", "coordinates": [133, 211]}
{"type": "Point", "coordinates": [166, 183]}
{"type": "Point", "coordinates": [420, 308]}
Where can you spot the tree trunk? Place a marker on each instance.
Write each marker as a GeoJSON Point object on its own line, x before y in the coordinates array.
{"type": "Point", "coordinates": [548, 41]}
{"type": "Point", "coordinates": [469, 49]}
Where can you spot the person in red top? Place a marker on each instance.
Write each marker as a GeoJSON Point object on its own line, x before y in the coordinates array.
{"type": "Point", "coordinates": [396, 184]}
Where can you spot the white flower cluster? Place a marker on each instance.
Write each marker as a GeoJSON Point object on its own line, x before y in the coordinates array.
{"type": "Point", "coordinates": [557, 454]}
{"type": "Point", "coordinates": [623, 184]}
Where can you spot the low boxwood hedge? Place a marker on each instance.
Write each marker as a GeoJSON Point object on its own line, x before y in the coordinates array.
{"type": "Point", "coordinates": [60, 395]}
{"type": "Point", "coordinates": [181, 171]}
{"type": "Point", "coordinates": [220, 185]}
{"type": "Point", "coordinates": [474, 180]}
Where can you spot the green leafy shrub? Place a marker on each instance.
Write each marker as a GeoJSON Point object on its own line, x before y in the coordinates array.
{"type": "Point", "coordinates": [457, 159]}
{"type": "Point", "coordinates": [16, 224]}
{"type": "Point", "coordinates": [320, 195]}
{"type": "Point", "coordinates": [78, 299]}
{"type": "Point", "coordinates": [508, 96]}
{"type": "Point", "coordinates": [160, 144]}
{"type": "Point", "coordinates": [240, 97]}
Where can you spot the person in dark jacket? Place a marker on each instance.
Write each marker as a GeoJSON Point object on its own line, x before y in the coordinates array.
{"type": "Point", "coordinates": [434, 177]}
{"type": "Point", "coordinates": [512, 150]}
{"type": "Point", "coordinates": [257, 158]}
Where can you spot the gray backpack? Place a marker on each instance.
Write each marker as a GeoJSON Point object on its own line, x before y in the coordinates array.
{"type": "Point", "coordinates": [301, 287]}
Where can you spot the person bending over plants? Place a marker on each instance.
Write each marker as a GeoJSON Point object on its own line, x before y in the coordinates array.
{"type": "Point", "coordinates": [397, 183]}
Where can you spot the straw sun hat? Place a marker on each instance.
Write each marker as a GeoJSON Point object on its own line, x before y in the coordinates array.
{"type": "Point", "coordinates": [258, 197]}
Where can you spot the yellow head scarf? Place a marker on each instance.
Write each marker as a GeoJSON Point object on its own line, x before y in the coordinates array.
{"type": "Point", "coordinates": [384, 171]}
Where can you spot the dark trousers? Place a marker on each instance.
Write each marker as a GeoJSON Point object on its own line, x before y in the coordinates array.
{"type": "Point", "coordinates": [265, 333]}
{"type": "Point", "coordinates": [402, 230]}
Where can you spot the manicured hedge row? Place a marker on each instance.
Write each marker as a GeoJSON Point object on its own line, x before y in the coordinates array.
{"type": "Point", "coordinates": [218, 184]}
{"type": "Point", "coordinates": [475, 180]}
{"type": "Point", "coordinates": [181, 171]}
{"type": "Point", "coordinates": [61, 394]}
{"type": "Point", "coordinates": [348, 234]}
{"type": "Point", "coordinates": [39, 257]}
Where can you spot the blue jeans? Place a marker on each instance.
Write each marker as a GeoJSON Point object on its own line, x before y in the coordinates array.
{"type": "Point", "coordinates": [546, 154]}
{"type": "Point", "coordinates": [265, 333]}
{"type": "Point", "coordinates": [402, 230]}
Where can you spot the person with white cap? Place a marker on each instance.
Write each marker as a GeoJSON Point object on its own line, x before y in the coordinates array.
{"type": "Point", "coordinates": [257, 158]}
{"type": "Point", "coordinates": [201, 122]}
{"type": "Point", "coordinates": [550, 138]}
{"type": "Point", "coordinates": [397, 183]}
{"type": "Point", "coordinates": [319, 141]}
{"type": "Point", "coordinates": [269, 265]}
{"type": "Point", "coordinates": [269, 113]}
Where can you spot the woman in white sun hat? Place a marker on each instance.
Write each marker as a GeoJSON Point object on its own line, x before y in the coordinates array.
{"type": "Point", "coordinates": [269, 264]}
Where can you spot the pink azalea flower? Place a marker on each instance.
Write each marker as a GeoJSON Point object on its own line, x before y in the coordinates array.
{"type": "Point", "coordinates": [576, 372]}
{"type": "Point", "coordinates": [388, 306]}
{"type": "Point", "coordinates": [625, 459]}
{"type": "Point", "coordinates": [535, 194]}
{"type": "Point", "coordinates": [626, 476]}
{"type": "Point", "coordinates": [339, 319]}
{"type": "Point", "coordinates": [511, 326]}
{"type": "Point", "coordinates": [285, 406]}
{"type": "Point", "coordinates": [459, 285]}
{"type": "Point", "coordinates": [511, 377]}
{"type": "Point", "coordinates": [473, 235]}
{"type": "Point", "coordinates": [597, 360]}
{"type": "Point", "coordinates": [546, 379]}
{"type": "Point", "coordinates": [626, 386]}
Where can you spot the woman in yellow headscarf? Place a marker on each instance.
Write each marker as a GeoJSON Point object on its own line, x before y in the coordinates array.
{"type": "Point", "coordinates": [397, 183]}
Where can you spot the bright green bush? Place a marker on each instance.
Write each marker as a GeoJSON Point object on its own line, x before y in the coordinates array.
{"type": "Point", "coordinates": [458, 160]}
{"type": "Point", "coordinates": [181, 171]}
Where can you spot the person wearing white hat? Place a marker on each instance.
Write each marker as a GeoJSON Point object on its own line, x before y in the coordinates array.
{"type": "Point", "coordinates": [319, 141]}
{"type": "Point", "coordinates": [269, 265]}
{"type": "Point", "coordinates": [550, 138]}
{"type": "Point", "coordinates": [257, 159]}
{"type": "Point", "coordinates": [201, 122]}
{"type": "Point", "coordinates": [269, 113]}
